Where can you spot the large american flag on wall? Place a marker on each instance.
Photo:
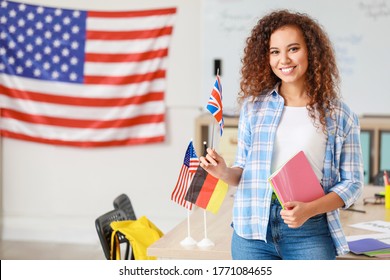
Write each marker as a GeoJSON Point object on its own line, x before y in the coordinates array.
{"type": "Point", "coordinates": [83, 78]}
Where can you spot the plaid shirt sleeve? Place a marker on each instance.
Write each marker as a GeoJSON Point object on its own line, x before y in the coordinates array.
{"type": "Point", "coordinates": [348, 161]}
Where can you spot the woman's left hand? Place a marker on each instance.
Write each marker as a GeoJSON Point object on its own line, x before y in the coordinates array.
{"type": "Point", "coordinates": [295, 213]}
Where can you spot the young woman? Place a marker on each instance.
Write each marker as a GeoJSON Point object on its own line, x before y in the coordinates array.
{"type": "Point", "coordinates": [290, 102]}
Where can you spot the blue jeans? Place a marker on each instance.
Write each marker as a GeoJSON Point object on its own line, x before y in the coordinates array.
{"type": "Point", "coordinates": [310, 241]}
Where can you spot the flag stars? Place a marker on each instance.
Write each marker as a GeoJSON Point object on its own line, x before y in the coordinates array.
{"type": "Point", "coordinates": [46, 65]}
{"type": "Point", "coordinates": [30, 32]}
{"type": "Point", "coordinates": [21, 22]}
{"type": "Point", "coordinates": [22, 7]}
{"type": "Point", "coordinates": [56, 43]}
{"type": "Point", "coordinates": [48, 19]}
{"type": "Point", "coordinates": [37, 72]}
{"type": "Point", "coordinates": [30, 16]}
{"type": "Point", "coordinates": [48, 34]}
{"type": "Point", "coordinates": [65, 52]}
{"type": "Point", "coordinates": [28, 63]}
{"type": "Point", "coordinates": [57, 27]}
{"type": "Point", "coordinates": [76, 14]}
{"type": "Point", "coordinates": [38, 57]}
{"type": "Point", "coordinates": [74, 60]}
{"type": "Point", "coordinates": [40, 10]}
{"type": "Point", "coordinates": [20, 38]}
{"type": "Point", "coordinates": [20, 54]}
{"type": "Point", "coordinates": [47, 50]}
{"type": "Point", "coordinates": [12, 29]}
{"type": "Point", "coordinates": [58, 12]}
{"type": "Point", "coordinates": [11, 60]}
{"type": "Point", "coordinates": [75, 29]}
{"type": "Point", "coordinates": [56, 59]}
{"type": "Point", "coordinates": [74, 45]}
{"type": "Point", "coordinates": [66, 36]}
{"type": "Point", "coordinates": [38, 41]}
{"type": "Point", "coordinates": [66, 21]}
{"type": "Point", "coordinates": [12, 45]}
{"type": "Point", "coordinates": [29, 48]}
{"type": "Point", "coordinates": [39, 25]}
{"type": "Point", "coordinates": [12, 13]}
{"type": "Point", "coordinates": [73, 76]}
{"type": "Point", "coordinates": [55, 75]}
{"type": "Point", "coordinates": [64, 68]}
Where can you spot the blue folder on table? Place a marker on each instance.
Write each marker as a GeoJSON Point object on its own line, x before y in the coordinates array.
{"type": "Point", "coordinates": [365, 245]}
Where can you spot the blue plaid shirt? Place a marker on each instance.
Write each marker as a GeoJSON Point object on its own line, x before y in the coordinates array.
{"type": "Point", "coordinates": [342, 172]}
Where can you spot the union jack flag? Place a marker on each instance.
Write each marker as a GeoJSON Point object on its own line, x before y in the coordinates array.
{"type": "Point", "coordinates": [214, 106]}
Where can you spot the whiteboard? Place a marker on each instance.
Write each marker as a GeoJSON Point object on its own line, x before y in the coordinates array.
{"type": "Point", "coordinates": [358, 29]}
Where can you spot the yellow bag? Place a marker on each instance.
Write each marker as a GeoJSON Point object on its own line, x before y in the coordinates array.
{"type": "Point", "coordinates": [141, 233]}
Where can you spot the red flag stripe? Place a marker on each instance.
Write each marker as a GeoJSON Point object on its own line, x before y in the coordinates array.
{"type": "Point", "coordinates": [131, 57]}
{"type": "Point", "coordinates": [179, 192]}
{"type": "Point", "coordinates": [93, 124]}
{"type": "Point", "coordinates": [128, 35]}
{"type": "Point", "coordinates": [154, 12]}
{"type": "Point", "coordinates": [83, 144]}
{"type": "Point", "coordinates": [81, 101]}
{"type": "Point", "coordinates": [206, 191]}
{"type": "Point", "coordinates": [217, 98]}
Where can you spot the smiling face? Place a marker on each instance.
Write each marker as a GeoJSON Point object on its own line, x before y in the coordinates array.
{"type": "Point", "coordinates": [288, 55]}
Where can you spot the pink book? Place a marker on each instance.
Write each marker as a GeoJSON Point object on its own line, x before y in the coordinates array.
{"type": "Point", "coordinates": [296, 181]}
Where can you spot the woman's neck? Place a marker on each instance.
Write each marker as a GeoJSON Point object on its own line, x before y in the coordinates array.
{"type": "Point", "coordinates": [293, 95]}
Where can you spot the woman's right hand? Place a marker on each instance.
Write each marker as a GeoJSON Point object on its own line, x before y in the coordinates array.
{"type": "Point", "coordinates": [213, 163]}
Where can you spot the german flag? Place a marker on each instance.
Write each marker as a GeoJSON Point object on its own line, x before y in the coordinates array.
{"type": "Point", "coordinates": [206, 191]}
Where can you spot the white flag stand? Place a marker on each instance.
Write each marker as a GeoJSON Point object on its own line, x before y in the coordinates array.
{"type": "Point", "coordinates": [205, 242]}
{"type": "Point", "coordinates": [188, 241]}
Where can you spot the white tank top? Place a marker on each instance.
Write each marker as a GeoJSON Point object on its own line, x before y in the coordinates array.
{"type": "Point", "coordinates": [296, 132]}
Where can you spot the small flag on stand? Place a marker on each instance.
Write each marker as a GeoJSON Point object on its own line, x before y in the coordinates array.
{"type": "Point", "coordinates": [214, 105]}
{"type": "Point", "coordinates": [187, 171]}
{"type": "Point", "coordinates": [206, 191]}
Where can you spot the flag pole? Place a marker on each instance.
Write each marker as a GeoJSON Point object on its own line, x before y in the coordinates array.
{"type": "Point", "coordinates": [205, 242]}
{"type": "Point", "coordinates": [212, 135]}
{"type": "Point", "coordinates": [188, 241]}
{"type": "Point", "coordinates": [213, 127]}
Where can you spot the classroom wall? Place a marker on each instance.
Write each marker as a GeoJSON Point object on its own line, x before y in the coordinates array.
{"type": "Point", "coordinates": [53, 193]}
{"type": "Point", "coordinates": [355, 27]}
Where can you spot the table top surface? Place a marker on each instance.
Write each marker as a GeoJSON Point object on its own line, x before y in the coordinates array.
{"type": "Point", "coordinates": [219, 229]}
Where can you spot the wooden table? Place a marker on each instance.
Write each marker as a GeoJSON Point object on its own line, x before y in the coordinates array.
{"type": "Point", "coordinates": [220, 231]}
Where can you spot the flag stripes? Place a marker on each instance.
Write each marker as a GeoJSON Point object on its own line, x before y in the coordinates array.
{"type": "Point", "coordinates": [206, 191]}
{"type": "Point", "coordinates": [187, 171]}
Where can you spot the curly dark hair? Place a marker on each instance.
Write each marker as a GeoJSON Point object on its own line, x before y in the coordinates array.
{"type": "Point", "coordinates": [322, 77]}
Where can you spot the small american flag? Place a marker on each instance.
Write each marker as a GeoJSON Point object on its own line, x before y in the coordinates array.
{"type": "Point", "coordinates": [214, 105]}
{"type": "Point", "coordinates": [187, 171]}
{"type": "Point", "coordinates": [83, 78]}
